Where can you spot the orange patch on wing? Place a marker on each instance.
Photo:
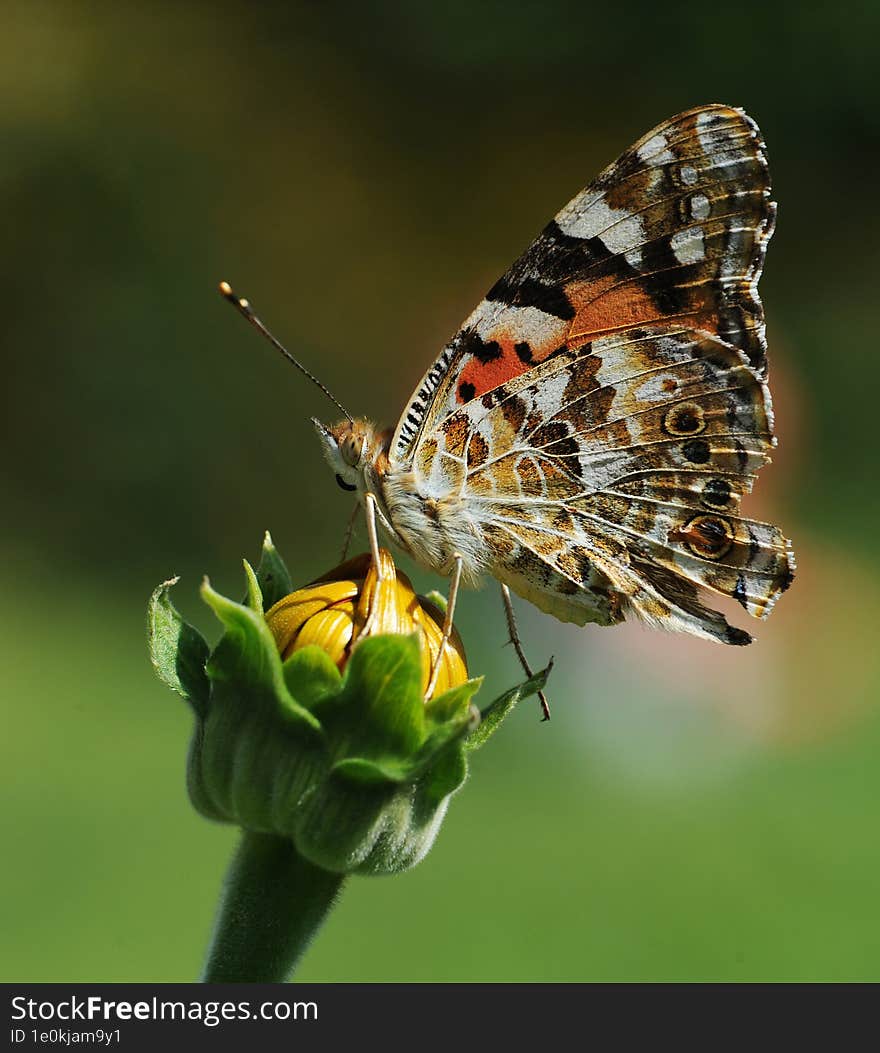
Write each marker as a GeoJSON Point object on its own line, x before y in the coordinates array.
{"type": "Point", "coordinates": [609, 305]}
{"type": "Point", "coordinates": [606, 305]}
{"type": "Point", "coordinates": [708, 321]}
{"type": "Point", "coordinates": [484, 377]}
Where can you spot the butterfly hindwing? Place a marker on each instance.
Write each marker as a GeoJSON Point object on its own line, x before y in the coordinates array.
{"type": "Point", "coordinates": [619, 468]}
{"type": "Point", "coordinates": [531, 571]}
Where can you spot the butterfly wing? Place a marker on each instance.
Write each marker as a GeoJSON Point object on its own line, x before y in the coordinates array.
{"type": "Point", "coordinates": [672, 233]}
{"type": "Point", "coordinates": [608, 479]}
{"type": "Point", "coordinates": [603, 410]}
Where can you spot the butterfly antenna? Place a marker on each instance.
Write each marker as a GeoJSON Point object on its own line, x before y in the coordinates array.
{"type": "Point", "coordinates": [244, 308]}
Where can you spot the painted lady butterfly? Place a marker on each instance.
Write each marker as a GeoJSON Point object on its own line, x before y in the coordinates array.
{"type": "Point", "coordinates": [587, 435]}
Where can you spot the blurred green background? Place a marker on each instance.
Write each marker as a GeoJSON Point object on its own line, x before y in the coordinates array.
{"type": "Point", "coordinates": [364, 172]}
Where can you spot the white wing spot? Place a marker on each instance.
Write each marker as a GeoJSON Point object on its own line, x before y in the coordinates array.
{"type": "Point", "coordinates": [688, 245]}
{"type": "Point", "coordinates": [634, 258]}
{"type": "Point", "coordinates": [656, 388]}
{"type": "Point", "coordinates": [624, 234]}
{"type": "Point", "coordinates": [655, 151]}
{"type": "Point", "coordinates": [700, 206]}
{"type": "Point", "coordinates": [530, 324]}
{"type": "Point", "coordinates": [619, 229]}
{"type": "Point", "coordinates": [689, 175]}
{"type": "Point", "coordinates": [706, 122]}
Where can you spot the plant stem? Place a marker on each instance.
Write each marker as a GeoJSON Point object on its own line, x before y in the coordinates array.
{"type": "Point", "coordinates": [273, 903]}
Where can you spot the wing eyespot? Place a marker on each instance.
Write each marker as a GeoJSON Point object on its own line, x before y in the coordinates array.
{"type": "Point", "coordinates": [709, 537]}
{"type": "Point", "coordinates": [684, 419]}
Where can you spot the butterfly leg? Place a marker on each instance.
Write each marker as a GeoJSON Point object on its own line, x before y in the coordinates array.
{"type": "Point", "coordinates": [349, 531]}
{"type": "Point", "coordinates": [517, 646]}
{"type": "Point", "coordinates": [372, 534]}
{"type": "Point", "coordinates": [454, 583]}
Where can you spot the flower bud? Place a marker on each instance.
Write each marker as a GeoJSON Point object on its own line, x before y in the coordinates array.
{"type": "Point", "coordinates": [311, 720]}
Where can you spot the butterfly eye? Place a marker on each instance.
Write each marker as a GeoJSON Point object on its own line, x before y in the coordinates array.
{"type": "Point", "coordinates": [344, 485]}
{"type": "Point", "coordinates": [350, 451]}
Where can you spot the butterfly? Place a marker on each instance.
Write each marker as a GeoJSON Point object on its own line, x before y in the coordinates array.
{"type": "Point", "coordinates": [587, 436]}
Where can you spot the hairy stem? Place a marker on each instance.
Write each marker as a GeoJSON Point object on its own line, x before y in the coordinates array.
{"type": "Point", "coordinates": [272, 905]}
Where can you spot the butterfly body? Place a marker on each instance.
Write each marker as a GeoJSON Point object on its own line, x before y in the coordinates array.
{"type": "Point", "coordinates": [432, 524]}
{"type": "Point", "coordinates": [588, 434]}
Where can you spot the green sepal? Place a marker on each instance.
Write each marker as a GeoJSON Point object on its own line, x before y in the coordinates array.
{"type": "Point", "coordinates": [177, 650]}
{"type": "Point", "coordinates": [378, 715]}
{"type": "Point", "coordinates": [247, 655]}
{"type": "Point", "coordinates": [254, 598]}
{"type": "Point", "coordinates": [272, 574]}
{"type": "Point", "coordinates": [437, 599]}
{"type": "Point", "coordinates": [258, 750]}
{"type": "Point", "coordinates": [354, 826]}
{"type": "Point", "coordinates": [311, 676]}
{"type": "Point", "coordinates": [445, 775]}
{"type": "Point", "coordinates": [493, 715]}
{"type": "Point", "coordinates": [388, 732]}
{"type": "Point", "coordinates": [359, 769]}
{"type": "Point", "coordinates": [454, 703]}
{"type": "Point", "coordinates": [409, 769]}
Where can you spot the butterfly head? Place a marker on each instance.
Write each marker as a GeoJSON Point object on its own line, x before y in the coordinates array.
{"type": "Point", "coordinates": [351, 448]}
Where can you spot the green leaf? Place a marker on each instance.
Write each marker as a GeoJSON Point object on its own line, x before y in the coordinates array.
{"type": "Point", "coordinates": [311, 676]}
{"type": "Point", "coordinates": [272, 574]}
{"type": "Point", "coordinates": [247, 655]}
{"type": "Point", "coordinates": [492, 716]}
{"type": "Point", "coordinates": [177, 650]}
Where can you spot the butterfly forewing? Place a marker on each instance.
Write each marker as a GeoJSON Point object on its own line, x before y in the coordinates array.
{"type": "Point", "coordinates": [674, 231]}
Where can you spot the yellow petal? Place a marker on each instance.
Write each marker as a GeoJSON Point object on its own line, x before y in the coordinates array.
{"type": "Point", "coordinates": [291, 612]}
{"type": "Point", "coordinates": [453, 664]}
{"type": "Point", "coordinates": [331, 629]}
{"type": "Point", "coordinates": [452, 671]}
{"type": "Point", "coordinates": [389, 597]}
